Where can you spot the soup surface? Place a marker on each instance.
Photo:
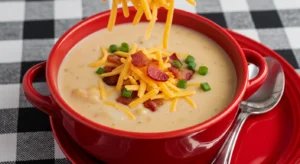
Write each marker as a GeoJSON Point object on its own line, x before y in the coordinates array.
{"type": "Point", "coordinates": [75, 73]}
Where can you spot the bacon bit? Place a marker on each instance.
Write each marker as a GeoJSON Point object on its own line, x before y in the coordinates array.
{"type": "Point", "coordinates": [174, 57]}
{"type": "Point", "coordinates": [175, 71]}
{"type": "Point", "coordinates": [153, 104]}
{"type": "Point", "coordinates": [139, 59]}
{"type": "Point", "coordinates": [111, 80]}
{"type": "Point", "coordinates": [164, 59]}
{"type": "Point", "coordinates": [126, 82]}
{"type": "Point", "coordinates": [187, 74]}
{"type": "Point", "coordinates": [154, 61]}
{"type": "Point", "coordinates": [114, 59]}
{"type": "Point", "coordinates": [109, 68]}
{"type": "Point", "coordinates": [182, 74]}
{"type": "Point", "coordinates": [156, 74]}
{"type": "Point", "coordinates": [125, 100]}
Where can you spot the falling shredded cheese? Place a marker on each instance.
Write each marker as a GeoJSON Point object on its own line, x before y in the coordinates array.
{"type": "Point", "coordinates": [138, 16]}
{"type": "Point", "coordinates": [168, 24]}
{"type": "Point", "coordinates": [112, 16]}
{"type": "Point", "coordinates": [192, 2]}
{"type": "Point", "coordinates": [152, 21]}
{"type": "Point", "coordinates": [125, 8]}
{"type": "Point", "coordinates": [149, 8]}
{"type": "Point", "coordinates": [145, 5]}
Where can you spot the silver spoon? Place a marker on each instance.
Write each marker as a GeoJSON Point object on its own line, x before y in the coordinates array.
{"type": "Point", "coordinates": [262, 101]}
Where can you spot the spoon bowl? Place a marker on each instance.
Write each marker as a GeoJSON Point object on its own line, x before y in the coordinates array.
{"type": "Point", "coordinates": [268, 95]}
{"type": "Point", "coordinates": [262, 101]}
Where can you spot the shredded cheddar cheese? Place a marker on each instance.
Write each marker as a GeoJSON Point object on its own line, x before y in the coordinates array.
{"type": "Point", "coordinates": [142, 88]}
{"type": "Point", "coordinates": [160, 60]}
{"type": "Point", "coordinates": [149, 8]}
{"type": "Point", "coordinates": [173, 105]}
{"type": "Point", "coordinates": [114, 72]}
{"type": "Point", "coordinates": [165, 90]}
{"type": "Point", "coordinates": [121, 108]}
{"type": "Point", "coordinates": [101, 61]}
{"type": "Point", "coordinates": [173, 87]}
{"type": "Point", "coordinates": [136, 79]}
{"type": "Point", "coordinates": [190, 101]}
{"type": "Point", "coordinates": [111, 64]}
{"type": "Point", "coordinates": [102, 89]}
{"type": "Point", "coordinates": [159, 96]}
{"type": "Point", "coordinates": [132, 87]}
{"type": "Point", "coordinates": [184, 93]}
{"type": "Point", "coordinates": [132, 80]}
{"type": "Point", "coordinates": [123, 72]}
{"type": "Point", "coordinates": [125, 8]}
{"type": "Point", "coordinates": [133, 49]}
{"type": "Point", "coordinates": [122, 54]}
{"type": "Point", "coordinates": [146, 97]}
{"type": "Point", "coordinates": [145, 78]}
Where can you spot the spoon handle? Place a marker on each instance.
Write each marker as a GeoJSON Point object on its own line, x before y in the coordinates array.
{"type": "Point", "coordinates": [225, 153]}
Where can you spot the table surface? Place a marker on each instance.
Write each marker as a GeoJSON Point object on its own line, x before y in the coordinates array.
{"type": "Point", "coordinates": [29, 28]}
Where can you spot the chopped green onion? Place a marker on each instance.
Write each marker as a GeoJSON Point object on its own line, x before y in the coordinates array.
{"type": "Point", "coordinates": [205, 87]}
{"type": "Point", "coordinates": [177, 64]}
{"type": "Point", "coordinates": [182, 84]}
{"type": "Point", "coordinates": [203, 70]}
{"type": "Point", "coordinates": [191, 66]}
{"type": "Point", "coordinates": [100, 70]}
{"type": "Point", "coordinates": [126, 93]}
{"type": "Point", "coordinates": [124, 49]}
{"type": "Point", "coordinates": [124, 44]}
{"type": "Point", "coordinates": [113, 48]}
{"type": "Point", "coordinates": [189, 59]}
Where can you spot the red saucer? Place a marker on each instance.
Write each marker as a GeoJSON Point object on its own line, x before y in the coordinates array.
{"type": "Point", "coordinates": [270, 138]}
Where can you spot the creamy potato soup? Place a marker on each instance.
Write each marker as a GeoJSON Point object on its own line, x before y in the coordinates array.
{"type": "Point", "coordinates": [210, 90]}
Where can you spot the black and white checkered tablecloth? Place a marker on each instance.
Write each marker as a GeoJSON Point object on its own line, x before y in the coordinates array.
{"type": "Point", "coordinates": [29, 28]}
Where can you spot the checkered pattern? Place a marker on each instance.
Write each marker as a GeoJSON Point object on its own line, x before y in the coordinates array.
{"type": "Point", "coordinates": [29, 28]}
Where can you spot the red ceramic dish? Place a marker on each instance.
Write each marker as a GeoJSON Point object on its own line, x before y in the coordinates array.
{"type": "Point", "coordinates": [117, 146]}
{"type": "Point", "coordinates": [273, 137]}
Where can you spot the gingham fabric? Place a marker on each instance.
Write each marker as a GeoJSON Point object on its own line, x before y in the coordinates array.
{"type": "Point", "coordinates": [29, 28]}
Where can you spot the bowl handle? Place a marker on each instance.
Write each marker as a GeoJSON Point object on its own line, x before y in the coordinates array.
{"type": "Point", "coordinates": [44, 103]}
{"type": "Point", "coordinates": [255, 83]}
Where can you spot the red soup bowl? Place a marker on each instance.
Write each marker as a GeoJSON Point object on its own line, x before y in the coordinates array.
{"type": "Point", "coordinates": [198, 143]}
